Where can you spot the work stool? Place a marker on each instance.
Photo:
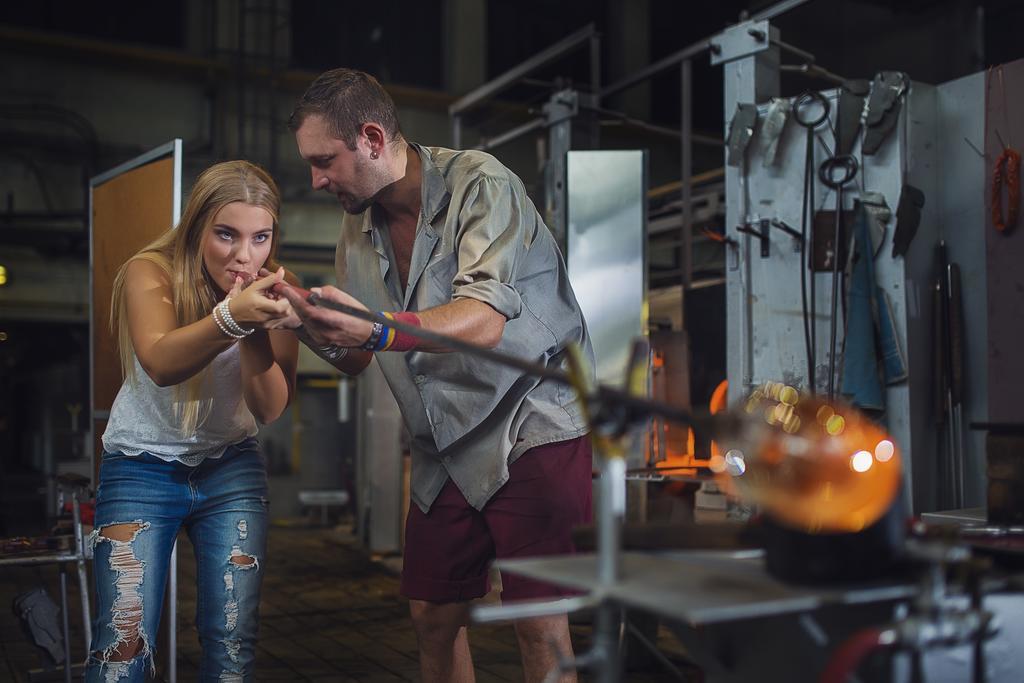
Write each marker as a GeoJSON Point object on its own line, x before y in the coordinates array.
{"type": "Point", "coordinates": [75, 486]}
{"type": "Point", "coordinates": [324, 500]}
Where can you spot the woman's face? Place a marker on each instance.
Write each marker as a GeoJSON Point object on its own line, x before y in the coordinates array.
{"type": "Point", "coordinates": [237, 242]}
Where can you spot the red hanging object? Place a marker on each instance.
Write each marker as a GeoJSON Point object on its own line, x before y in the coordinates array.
{"type": "Point", "coordinates": [1011, 159]}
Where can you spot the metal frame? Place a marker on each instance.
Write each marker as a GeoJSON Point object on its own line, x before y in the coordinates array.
{"type": "Point", "coordinates": [62, 559]}
{"type": "Point", "coordinates": [587, 34]}
{"type": "Point", "coordinates": [173, 149]}
{"type": "Point", "coordinates": [611, 503]}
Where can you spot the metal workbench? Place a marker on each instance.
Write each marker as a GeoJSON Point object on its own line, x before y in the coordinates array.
{"type": "Point", "coordinates": [701, 587]}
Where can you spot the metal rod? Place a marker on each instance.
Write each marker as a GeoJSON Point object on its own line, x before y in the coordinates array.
{"type": "Point", "coordinates": [513, 75]}
{"type": "Point", "coordinates": [172, 616]}
{"type": "Point", "coordinates": [834, 326]}
{"type": "Point", "coordinates": [698, 138]}
{"type": "Point", "coordinates": [611, 511]}
{"type": "Point", "coordinates": [958, 430]}
{"type": "Point", "coordinates": [792, 232]}
{"type": "Point", "coordinates": [686, 173]}
{"type": "Point", "coordinates": [83, 583]}
{"type": "Point", "coordinates": [605, 652]}
{"type": "Point", "coordinates": [602, 394]}
{"type": "Point", "coordinates": [38, 559]}
{"type": "Point", "coordinates": [777, 9]}
{"type": "Point", "coordinates": [691, 51]}
{"type": "Point", "coordinates": [802, 54]}
{"type": "Point", "coordinates": [813, 70]}
{"type": "Point", "coordinates": [64, 621]}
{"type": "Point", "coordinates": [662, 64]}
{"type": "Point", "coordinates": [512, 134]}
{"type": "Point", "coordinates": [529, 609]}
{"type": "Point", "coordinates": [655, 652]}
{"type": "Point", "coordinates": [456, 131]}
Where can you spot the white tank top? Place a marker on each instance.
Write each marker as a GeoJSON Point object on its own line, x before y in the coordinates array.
{"type": "Point", "coordinates": [144, 417]}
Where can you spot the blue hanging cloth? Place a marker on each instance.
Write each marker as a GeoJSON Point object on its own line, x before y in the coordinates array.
{"type": "Point", "coordinates": [872, 357]}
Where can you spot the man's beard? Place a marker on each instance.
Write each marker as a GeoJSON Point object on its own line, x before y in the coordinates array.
{"type": "Point", "coordinates": [377, 181]}
{"type": "Point", "coordinates": [356, 208]}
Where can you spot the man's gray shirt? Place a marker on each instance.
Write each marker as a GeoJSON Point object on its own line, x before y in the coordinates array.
{"type": "Point", "coordinates": [479, 237]}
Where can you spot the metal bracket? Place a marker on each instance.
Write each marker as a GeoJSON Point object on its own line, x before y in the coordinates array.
{"type": "Point", "coordinates": [798, 239]}
{"type": "Point", "coordinates": [742, 40]}
{"type": "Point", "coordinates": [763, 234]}
{"type": "Point", "coordinates": [563, 105]}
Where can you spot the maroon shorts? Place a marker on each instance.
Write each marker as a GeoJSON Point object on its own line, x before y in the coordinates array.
{"type": "Point", "coordinates": [448, 550]}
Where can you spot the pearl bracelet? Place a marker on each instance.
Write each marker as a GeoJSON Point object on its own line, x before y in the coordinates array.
{"type": "Point", "coordinates": [229, 322]}
{"type": "Point", "coordinates": [225, 330]}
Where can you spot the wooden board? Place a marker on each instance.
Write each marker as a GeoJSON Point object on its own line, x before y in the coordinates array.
{"type": "Point", "coordinates": [128, 212]}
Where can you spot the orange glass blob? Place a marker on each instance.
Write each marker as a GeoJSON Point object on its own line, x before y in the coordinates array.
{"type": "Point", "coordinates": [814, 466]}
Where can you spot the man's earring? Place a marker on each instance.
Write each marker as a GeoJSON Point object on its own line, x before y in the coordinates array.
{"type": "Point", "coordinates": [374, 155]}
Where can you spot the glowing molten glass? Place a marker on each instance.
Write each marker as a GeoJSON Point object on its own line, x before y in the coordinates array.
{"type": "Point", "coordinates": [811, 465]}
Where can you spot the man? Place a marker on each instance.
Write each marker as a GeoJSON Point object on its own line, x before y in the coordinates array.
{"type": "Point", "coordinates": [501, 464]}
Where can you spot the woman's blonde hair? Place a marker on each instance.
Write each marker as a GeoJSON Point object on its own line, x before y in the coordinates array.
{"type": "Point", "coordinates": [179, 253]}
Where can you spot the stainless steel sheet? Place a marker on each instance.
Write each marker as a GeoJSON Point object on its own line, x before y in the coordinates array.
{"type": "Point", "coordinates": [701, 587]}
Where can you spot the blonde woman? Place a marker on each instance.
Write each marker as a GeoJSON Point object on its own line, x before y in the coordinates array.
{"type": "Point", "coordinates": [202, 368]}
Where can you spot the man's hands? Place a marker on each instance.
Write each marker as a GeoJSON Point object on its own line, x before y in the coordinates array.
{"type": "Point", "coordinates": [255, 304]}
{"type": "Point", "coordinates": [323, 325]}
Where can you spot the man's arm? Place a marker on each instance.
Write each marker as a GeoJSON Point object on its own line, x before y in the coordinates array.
{"type": "Point", "coordinates": [466, 319]}
{"type": "Point", "coordinates": [351, 361]}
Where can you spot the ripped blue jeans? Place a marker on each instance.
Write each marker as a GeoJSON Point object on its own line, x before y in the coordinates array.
{"type": "Point", "coordinates": [141, 504]}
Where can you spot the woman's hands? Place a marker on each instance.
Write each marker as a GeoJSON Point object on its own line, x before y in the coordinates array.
{"type": "Point", "coordinates": [325, 326]}
{"type": "Point", "coordinates": [254, 304]}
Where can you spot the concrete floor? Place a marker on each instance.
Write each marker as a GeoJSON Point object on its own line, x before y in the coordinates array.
{"type": "Point", "coordinates": [329, 613]}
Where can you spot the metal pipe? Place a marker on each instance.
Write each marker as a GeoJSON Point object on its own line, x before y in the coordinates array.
{"type": "Point", "coordinates": [813, 70]}
{"type": "Point", "coordinates": [837, 245]}
{"type": "Point", "coordinates": [699, 138]}
{"type": "Point", "coordinates": [511, 134]}
{"type": "Point", "coordinates": [611, 511]}
{"type": "Point", "coordinates": [664, 63]}
{"type": "Point", "coordinates": [83, 583]}
{"type": "Point", "coordinates": [513, 75]}
{"type": "Point", "coordinates": [686, 173]}
{"type": "Point", "coordinates": [605, 652]}
{"type": "Point", "coordinates": [692, 50]}
{"type": "Point", "coordinates": [172, 616]}
{"type": "Point", "coordinates": [777, 9]}
{"type": "Point", "coordinates": [601, 395]}
{"type": "Point", "coordinates": [792, 49]}
{"type": "Point", "coordinates": [456, 132]}
{"type": "Point", "coordinates": [64, 621]}
{"type": "Point", "coordinates": [530, 609]}
{"type": "Point", "coordinates": [38, 559]}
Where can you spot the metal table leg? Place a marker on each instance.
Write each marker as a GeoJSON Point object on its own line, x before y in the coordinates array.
{"type": "Point", "coordinates": [172, 617]}
{"type": "Point", "coordinates": [64, 619]}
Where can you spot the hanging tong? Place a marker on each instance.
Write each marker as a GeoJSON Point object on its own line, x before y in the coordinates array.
{"type": "Point", "coordinates": [847, 165]}
{"type": "Point", "coordinates": [803, 113]}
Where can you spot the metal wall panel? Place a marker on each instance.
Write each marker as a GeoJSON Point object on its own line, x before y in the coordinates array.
{"type": "Point", "coordinates": [606, 243]}
{"type": "Point", "coordinates": [765, 321]}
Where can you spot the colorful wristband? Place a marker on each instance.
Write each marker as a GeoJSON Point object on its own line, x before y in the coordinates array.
{"type": "Point", "coordinates": [387, 337]}
{"type": "Point", "coordinates": [403, 341]}
{"type": "Point", "coordinates": [375, 334]}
